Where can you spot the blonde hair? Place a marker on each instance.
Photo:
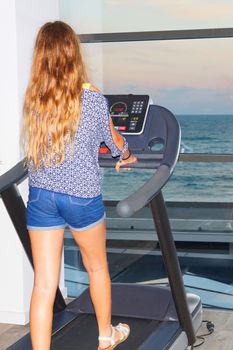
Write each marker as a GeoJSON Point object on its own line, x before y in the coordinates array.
{"type": "Point", "coordinates": [52, 105]}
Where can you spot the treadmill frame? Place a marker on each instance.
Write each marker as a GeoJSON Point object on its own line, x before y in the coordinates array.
{"type": "Point", "coordinates": [16, 210]}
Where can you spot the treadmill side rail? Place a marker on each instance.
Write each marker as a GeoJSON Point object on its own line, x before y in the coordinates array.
{"type": "Point", "coordinates": [167, 246]}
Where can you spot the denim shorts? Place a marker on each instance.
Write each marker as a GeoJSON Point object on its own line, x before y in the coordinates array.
{"type": "Point", "coordinates": [51, 210]}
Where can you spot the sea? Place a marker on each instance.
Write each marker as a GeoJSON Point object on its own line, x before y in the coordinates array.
{"type": "Point", "coordinates": [191, 181]}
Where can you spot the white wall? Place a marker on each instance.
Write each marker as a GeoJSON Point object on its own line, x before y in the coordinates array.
{"type": "Point", "coordinates": [8, 87]}
{"type": "Point", "coordinates": [19, 23]}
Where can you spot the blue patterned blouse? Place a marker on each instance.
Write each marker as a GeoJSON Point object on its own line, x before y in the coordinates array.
{"type": "Point", "coordinates": [79, 174]}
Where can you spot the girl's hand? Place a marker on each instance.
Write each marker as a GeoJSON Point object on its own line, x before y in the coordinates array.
{"type": "Point", "coordinates": [132, 159]}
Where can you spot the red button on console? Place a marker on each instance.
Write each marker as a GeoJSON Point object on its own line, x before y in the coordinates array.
{"type": "Point", "coordinates": [104, 150]}
{"type": "Point", "coordinates": [122, 128]}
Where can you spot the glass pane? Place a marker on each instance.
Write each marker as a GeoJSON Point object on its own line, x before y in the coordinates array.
{"type": "Point", "coordinates": [201, 219]}
{"type": "Point", "coordinates": [194, 80]}
{"type": "Point", "coordinates": [137, 15]}
{"type": "Point", "coordinates": [206, 133]}
{"type": "Point", "coordinates": [202, 182]}
{"type": "Point", "coordinates": [126, 15]}
{"type": "Point", "coordinates": [84, 16]}
{"type": "Point", "coordinates": [178, 75]}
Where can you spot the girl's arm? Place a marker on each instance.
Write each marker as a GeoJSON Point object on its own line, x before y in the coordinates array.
{"type": "Point", "coordinates": [118, 139]}
{"type": "Point", "coordinates": [113, 140]}
{"type": "Point", "coordinates": [127, 156]}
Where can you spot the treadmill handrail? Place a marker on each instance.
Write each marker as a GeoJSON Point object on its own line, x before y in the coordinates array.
{"type": "Point", "coordinates": [130, 205]}
{"type": "Point", "coordinates": [13, 176]}
{"type": "Point", "coordinates": [173, 140]}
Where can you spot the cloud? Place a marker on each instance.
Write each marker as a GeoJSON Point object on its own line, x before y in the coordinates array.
{"type": "Point", "coordinates": [181, 8]}
{"type": "Point", "coordinates": [195, 101]}
{"type": "Point", "coordinates": [138, 15]}
{"type": "Point", "coordinates": [193, 76]}
{"type": "Point", "coordinates": [195, 10]}
{"type": "Point", "coordinates": [195, 63]}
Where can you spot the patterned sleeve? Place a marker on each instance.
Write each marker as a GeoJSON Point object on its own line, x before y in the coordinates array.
{"type": "Point", "coordinates": [107, 134]}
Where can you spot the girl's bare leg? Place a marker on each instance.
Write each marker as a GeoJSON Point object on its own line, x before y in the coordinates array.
{"type": "Point", "coordinates": [92, 243]}
{"type": "Point", "coordinates": [46, 252]}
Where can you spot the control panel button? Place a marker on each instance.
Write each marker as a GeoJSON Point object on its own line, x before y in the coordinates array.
{"type": "Point", "coordinates": [128, 112]}
{"type": "Point", "coordinates": [104, 150]}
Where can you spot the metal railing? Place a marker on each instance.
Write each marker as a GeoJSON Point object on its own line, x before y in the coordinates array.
{"type": "Point", "coordinates": [211, 33]}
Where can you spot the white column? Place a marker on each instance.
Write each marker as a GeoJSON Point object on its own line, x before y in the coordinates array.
{"type": "Point", "coordinates": [19, 23]}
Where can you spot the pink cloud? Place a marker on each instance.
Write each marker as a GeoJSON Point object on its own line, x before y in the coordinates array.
{"type": "Point", "coordinates": [166, 14]}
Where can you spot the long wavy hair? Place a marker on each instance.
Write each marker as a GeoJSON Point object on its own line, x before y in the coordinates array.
{"type": "Point", "coordinates": [52, 103]}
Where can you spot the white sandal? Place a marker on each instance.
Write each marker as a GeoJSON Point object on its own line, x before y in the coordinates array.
{"type": "Point", "coordinates": [124, 331]}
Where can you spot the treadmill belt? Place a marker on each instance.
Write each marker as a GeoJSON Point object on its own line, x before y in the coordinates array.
{"type": "Point", "coordinates": [82, 333]}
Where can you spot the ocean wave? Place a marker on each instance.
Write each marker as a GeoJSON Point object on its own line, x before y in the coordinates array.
{"type": "Point", "coordinates": [191, 181]}
{"type": "Point", "coordinates": [184, 148]}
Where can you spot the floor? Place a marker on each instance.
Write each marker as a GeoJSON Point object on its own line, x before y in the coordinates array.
{"type": "Point", "coordinates": [10, 333]}
{"type": "Point", "coordinates": [221, 338]}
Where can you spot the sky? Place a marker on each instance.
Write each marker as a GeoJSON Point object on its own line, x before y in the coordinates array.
{"type": "Point", "coordinates": [186, 76]}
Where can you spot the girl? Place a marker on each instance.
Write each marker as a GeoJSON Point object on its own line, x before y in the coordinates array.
{"type": "Point", "coordinates": [65, 120]}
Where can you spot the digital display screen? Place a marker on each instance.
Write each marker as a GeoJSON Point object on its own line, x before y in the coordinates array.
{"type": "Point", "coordinates": [128, 112]}
{"type": "Point", "coordinates": [119, 109]}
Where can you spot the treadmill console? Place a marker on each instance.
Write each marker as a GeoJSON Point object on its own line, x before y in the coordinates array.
{"type": "Point", "coordinates": [128, 112]}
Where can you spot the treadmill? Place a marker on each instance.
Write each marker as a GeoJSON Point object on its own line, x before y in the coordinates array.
{"type": "Point", "coordinates": [160, 317]}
